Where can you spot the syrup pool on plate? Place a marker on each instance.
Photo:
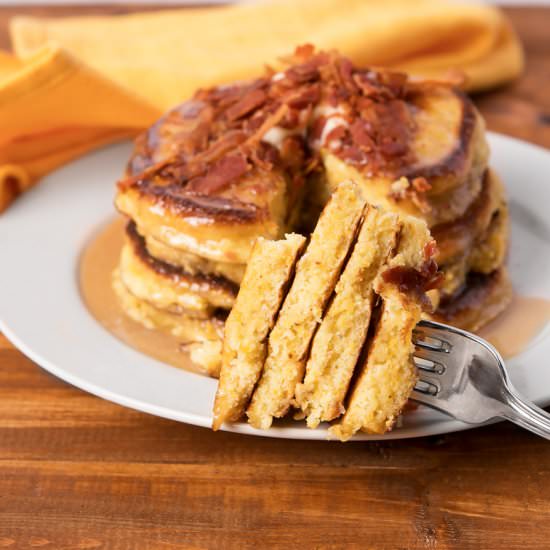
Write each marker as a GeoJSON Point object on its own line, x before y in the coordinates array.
{"type": "Point", "coordinates": [97, 264]}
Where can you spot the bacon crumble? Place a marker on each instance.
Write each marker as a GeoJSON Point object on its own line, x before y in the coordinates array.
{"type": "Point", "coordinates": [218, 134]}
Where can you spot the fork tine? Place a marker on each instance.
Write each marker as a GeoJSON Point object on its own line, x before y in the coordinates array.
{"type": "Point", "coordinates": [431, 343]}
{"type": "Point", "coordinates": [425, 399]}
{"type": "Point", "coordinates": [427, 384]}
{"type": "Point", "coordinates": [429, 361]}
{"type": "Point", "coordinates": [429, 355]}
{"type": "Point", "coordinates": [432, 327]}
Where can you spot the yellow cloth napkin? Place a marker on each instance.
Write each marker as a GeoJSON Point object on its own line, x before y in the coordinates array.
{"type": "Point", "coordinates": [76, 83]}
{"type": "Point", "coordinates": [52, 109]}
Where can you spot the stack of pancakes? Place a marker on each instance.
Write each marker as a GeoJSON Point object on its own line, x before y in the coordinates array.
{"type": "Point", "coordinates": [261, 158]}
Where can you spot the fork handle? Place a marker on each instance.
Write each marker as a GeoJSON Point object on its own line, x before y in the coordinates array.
{"type": "Point", "coordinates": [525, 414]}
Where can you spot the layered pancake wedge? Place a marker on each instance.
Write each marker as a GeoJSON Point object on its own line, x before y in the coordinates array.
{"type": "Point", "coordinates": [317, 272]}
{"type": "Point", "coordinates": [338, 342]}
{"type": "Point", "coordinates": [387, 376]}
{"type": "Point", "coordinates": [266, 279]}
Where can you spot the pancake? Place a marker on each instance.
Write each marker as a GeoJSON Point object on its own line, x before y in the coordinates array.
{"type": "Point", "coordinates": [317, 272]}
{"type": "Point", "coordinates": [449, 155]}
{"type": "Point", "coordinates": [485, 257]}
{"type": "Point", "coordinates": [386, 258]}
{"type": "Point", "coordinates": [336, 346]}
{"type": "Point", "coordinates": [192, 263]}
{"type": "Point", "coordinates": [169, 287]}
{"type": "Point", "coordinates": [388, 375]}
{"type": "Point", "coordinates": [266, 280]}
{"type": "Point", "coordinates": [201, 338]}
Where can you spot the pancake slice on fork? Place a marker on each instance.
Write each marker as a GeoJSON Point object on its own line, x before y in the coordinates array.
{"type": "Point", "coordinates": [388, 375]}
{"type": "Point", "coordinates": [265, 282]}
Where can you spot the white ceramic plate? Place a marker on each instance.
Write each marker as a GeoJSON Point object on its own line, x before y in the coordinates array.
{"type": "Point", "coordinates": [41, 312]}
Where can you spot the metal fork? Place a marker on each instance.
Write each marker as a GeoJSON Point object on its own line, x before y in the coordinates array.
{"type": "Point", "coordinates": [463, 376]}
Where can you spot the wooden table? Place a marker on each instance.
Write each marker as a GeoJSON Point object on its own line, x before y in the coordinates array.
{"type": "Point", "coordinates": [80, 472]}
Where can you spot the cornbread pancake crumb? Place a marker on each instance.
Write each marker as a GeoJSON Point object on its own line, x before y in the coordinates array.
{"type": "Point", "coordinates": [317, 272]}
{"type": "Point", "coordinates": [387, 378]}
{"type": "Point", "coordinates": [338, 341]}
{"type": "Point", "coordinates": [246, 330]}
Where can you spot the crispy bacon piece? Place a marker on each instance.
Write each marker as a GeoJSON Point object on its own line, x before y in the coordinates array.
{"type": "Point", "coordinates": [304, 51]}
{"type": "Point", "coordinates": [306, 72]}
{"type": "Point", "coordinates": [430, 250]}
{"type": "Point", "coordinates": [339, 132]}
{"type": "Point", "coordinates": [390, 148]}
{"type": "Point", "coordinates": [292, 151]}
{"type": "Point", "coordinates": [220, 175]}
{"type": "Point", "coordinates": [393, 81]}
{"type": "Point", "coordinates": [367, 87]}
{"type": "Point", "coordinates": [264, 155]}
{"type": "Point", "coordinates": [268, 123]}
{"type": "Point", "coordinates": [225, 144]}
{"type": "Point", "coordinates": [417, 281]}
{"type": "Point", "coordinates": [360, 135]}
{"type": "Point", "coordinates": [421, 185]}
{"type": "Point", "coordinates": [316, 130]}
{"type": "Point", "coordinates": [197, 165]}
{"type": "Point", "coordinates": [249, 102]}
{"type": "Point", "coordinates": [345, 68]}
{"type": "Point", "coordinates": [353, 155]}
{"type": "Point", "coordinates": [221, 96]}
{"type": "Point", "coordinates": [307, 95]}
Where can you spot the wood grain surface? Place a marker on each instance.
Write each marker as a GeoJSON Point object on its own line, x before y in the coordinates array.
{"type": "Point", "coordinates": [79, 472]}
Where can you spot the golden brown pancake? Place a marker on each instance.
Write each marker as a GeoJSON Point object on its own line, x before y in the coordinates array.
{"type": "Point", "coordinates": [259, 158]}
{"type": "Point", "coordinates": [192, 263]}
